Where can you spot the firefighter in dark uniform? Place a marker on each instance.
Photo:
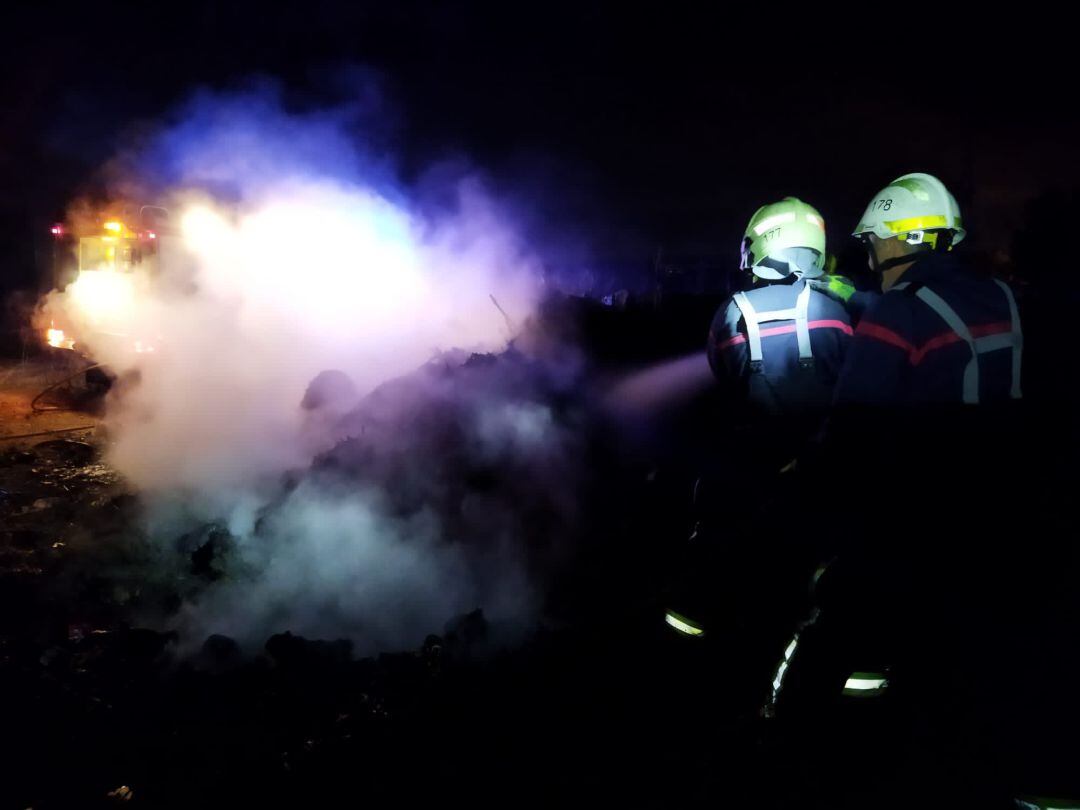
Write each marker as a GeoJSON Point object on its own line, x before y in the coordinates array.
{"type": "Point", "coordinates": [939, 333]}
{"type": "Point", "coordinates": [922, 434]}
{"type": "Point", "coordinates": [777, 349]}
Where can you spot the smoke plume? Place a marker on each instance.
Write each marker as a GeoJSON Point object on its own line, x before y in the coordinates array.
{"type": "Point", "coordinates": [292, 250]}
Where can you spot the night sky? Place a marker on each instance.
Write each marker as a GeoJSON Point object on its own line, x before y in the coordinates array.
{"type": "Point", "coordinates": [635, 128]}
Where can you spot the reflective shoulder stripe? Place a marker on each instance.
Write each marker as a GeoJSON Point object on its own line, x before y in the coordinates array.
{"type": "Point", "coordinates": [778, 315]}
{"type": "Point", "coordinates": [1018, 338]}
{"type": "Point", "coordinates": [802, 327]}
{"type": "Point", "coordinates": [948, 314]}
{"type": "Point", "coordinates": [753, 320]}
{"type": "Point", "coordinates": [1013, 340]}
{"type": "Point", "coordinates": [750, 318]}
{"type": "Point", "coordinates": [992, 343]}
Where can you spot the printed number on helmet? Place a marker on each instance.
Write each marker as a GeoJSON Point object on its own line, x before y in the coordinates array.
{"type": "Point", "coordinates": [883, 205]}
{"type": "Point", "coordinates": [771, 234]}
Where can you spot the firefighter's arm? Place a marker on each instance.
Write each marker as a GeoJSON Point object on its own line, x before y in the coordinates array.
{"type": "Point", "coordinates": [729, 357]}
{"type": "Point", "coordinates": [869, 393]}
{"type": "Point", "coordinates": [878, 358]}
{"type": "Point", "coordinates": [842, 289]}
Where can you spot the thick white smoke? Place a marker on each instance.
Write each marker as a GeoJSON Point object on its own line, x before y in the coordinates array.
{"type": "Point", "coordinates": [255, 300]}
{"type": "Point", "coordinates": [283, 262]}
{"type": "Point", "coordinates": [340, 565]}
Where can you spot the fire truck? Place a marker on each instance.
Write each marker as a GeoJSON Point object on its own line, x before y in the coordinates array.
{"type": "Point", "coordinates": [100, 265]}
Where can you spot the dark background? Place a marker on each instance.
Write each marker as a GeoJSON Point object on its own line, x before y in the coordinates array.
{"type": "Point", "coordinates": [630, 128]}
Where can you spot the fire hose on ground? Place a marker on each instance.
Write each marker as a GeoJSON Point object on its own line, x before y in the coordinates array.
{"type": "Point", "coordinates": [34, 402]}
{"type": "Point", "coordinates": [47, 432]}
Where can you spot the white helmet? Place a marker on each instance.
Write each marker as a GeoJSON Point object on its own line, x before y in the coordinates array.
{"type": "Point", "coordinates": [908, 208]}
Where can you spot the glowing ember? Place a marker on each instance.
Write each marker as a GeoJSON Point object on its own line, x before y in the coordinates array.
{"type": "Point", "coordinates": [58, 340]}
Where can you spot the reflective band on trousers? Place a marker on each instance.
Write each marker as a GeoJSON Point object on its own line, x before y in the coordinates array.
{"type": "Point", "coordinates": [865, 683]}
{"type": "Point", "coordinates": [1013, 340]}
{"type": "Point", "coordinates": [683, 625]}
{"type": "Point", "coordinates": [778, 681]}
{"type": "Point", "coordinates": [1046, 803]}
{"type": "Point", "coordinates": [753, 320]}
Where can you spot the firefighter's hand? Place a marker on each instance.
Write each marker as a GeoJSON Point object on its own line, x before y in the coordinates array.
{"type": "Point", "coordinates": [839, 288]}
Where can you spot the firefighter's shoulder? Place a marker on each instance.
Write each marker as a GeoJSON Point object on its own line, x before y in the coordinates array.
{"type": "Point", "coordinates": [890, 319]}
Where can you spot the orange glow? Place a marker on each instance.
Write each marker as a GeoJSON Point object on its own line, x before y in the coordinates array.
{"type": "Point", "coordinates": [58, 340]}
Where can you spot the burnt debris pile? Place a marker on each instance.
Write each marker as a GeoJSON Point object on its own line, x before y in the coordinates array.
{"type": "Point", "coordinates": [502, 461]}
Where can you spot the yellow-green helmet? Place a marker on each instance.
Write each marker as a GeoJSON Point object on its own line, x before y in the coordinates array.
{"type": "Point", "coordinates": [783, 238]}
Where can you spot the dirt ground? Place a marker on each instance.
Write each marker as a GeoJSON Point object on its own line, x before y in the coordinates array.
{"type": "Point", "coordinates": [23, 380]}
{"type": "Point", "coordinates": [99, 709]}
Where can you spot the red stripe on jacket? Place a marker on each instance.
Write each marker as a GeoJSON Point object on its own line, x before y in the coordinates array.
{"type": "Point", "coordinates": [786, 330]}
{"type": "Point", "coordinates": [916, 354]}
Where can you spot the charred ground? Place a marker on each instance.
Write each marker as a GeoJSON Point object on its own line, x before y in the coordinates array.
{"type": "Point", "coordinates": [94, 678]}
{"type": "Point", "coordinates": [596, 700]}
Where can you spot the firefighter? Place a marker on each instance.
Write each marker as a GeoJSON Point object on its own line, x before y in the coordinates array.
{"type": "Point", "coordinates": [928, 403]}
{"type": "Point", "coordinates": [924, 413]}
{"type": "Point", "coordinates": [780, 346]}
{"type": "Point", "coordinates": [939, 333]}
{"type": "Point", "coordinates": [777, 349]}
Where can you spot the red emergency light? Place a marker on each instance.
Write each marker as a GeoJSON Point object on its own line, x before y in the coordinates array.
{"type": "Point", "coordinates": [57, 230]}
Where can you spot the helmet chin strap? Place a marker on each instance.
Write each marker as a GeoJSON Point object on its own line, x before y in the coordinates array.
{"type": "Point", "coordinates": [919, 249]}
{"type": "Point", "coordinates": [896, 261]}
{"type": "Point", "coordinates": [785, 269]}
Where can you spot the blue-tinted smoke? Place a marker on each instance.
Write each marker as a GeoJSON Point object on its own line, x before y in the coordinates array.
{"type": "Point", "coordinates": [295, 246]}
